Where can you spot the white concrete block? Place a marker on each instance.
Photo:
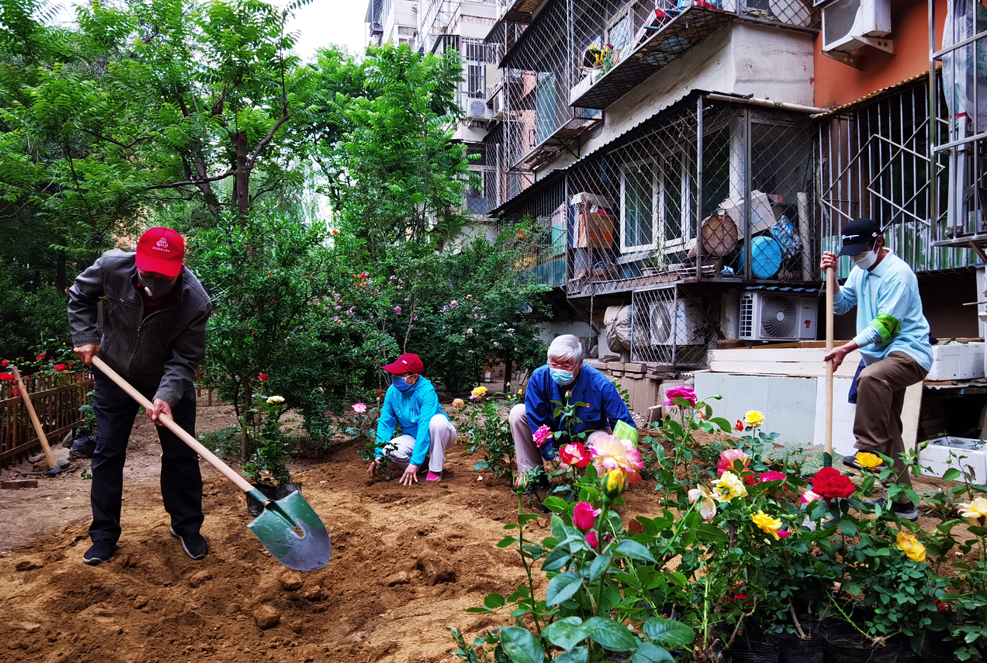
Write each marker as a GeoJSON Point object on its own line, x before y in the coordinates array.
{"type": "Point", "coordinates": [957, 361]}
{"type": "Point", "coordinates": [956, 452]}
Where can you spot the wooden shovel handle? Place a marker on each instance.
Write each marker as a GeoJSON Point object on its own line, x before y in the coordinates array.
{"type": "Point", "coordinates": [211, 458]}
{"type": "Point", "coordinates": [830, 281]}
{"type": "Point", "coordinates": [38, 428]}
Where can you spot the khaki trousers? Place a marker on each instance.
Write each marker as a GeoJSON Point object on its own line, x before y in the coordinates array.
{"type": "Point", "coordinates": [528, 455]}
{"type": "Point", "coordinates": [442, 433]}
{"type": "Point", "coordinates": [880, 396]}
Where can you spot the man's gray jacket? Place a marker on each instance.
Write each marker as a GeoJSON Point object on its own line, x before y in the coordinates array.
{"type": "Point", "coordinates": [159, 353]}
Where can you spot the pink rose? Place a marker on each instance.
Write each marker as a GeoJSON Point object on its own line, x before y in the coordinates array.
{"type": "Point", "coordinates": [541, 435]}
{"type": "Point", "coordinates": [808, 497]}
{"type": "Point", "coordinates": [783, 533]}
{"type": "Point", "coordinates": [774, 476]}
{"type": "Point", "coordinates": [592, 539]}
{"type": "Point", "coordinates": [584, 515]}
{"type": "Point", "coordinates": [685, 393]}
{"type": "Point", "coordinates": [728, 461]}
{"type": "Point", "coordinates": [359, 408]}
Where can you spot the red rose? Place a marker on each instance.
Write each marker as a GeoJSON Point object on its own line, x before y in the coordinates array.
{"type": "Point", "coordinates": [262, 377]}
{"type": "Point", "coordinates": [6, 377]}
{"type": "Point", "coordinates": [4, 363]}
{"type": "Point", "coordinates": [41, 356]}
{"type": "Point", "coordinates": [739, 425]}
{"type": "Point", "coordinates": [60, 367]}
{"type": "Point", "coordinates": [829, 484]}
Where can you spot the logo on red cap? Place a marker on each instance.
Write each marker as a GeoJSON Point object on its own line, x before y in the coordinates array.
{"type": "Point", "coordinates": [162, 251]}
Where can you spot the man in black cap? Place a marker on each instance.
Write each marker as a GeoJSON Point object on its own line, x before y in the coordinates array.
{"type": "Point", "coordinates": [893, 339]}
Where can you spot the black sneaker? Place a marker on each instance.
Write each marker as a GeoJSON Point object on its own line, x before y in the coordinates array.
{"type": "Point", "coordinates": [193, 544]}
{"type": "Point", "coordinates": [906, 510]}
{"type": "Point", "coordinates": [851, 461]}
{"type": "Point", "coordinates": [100, 551]}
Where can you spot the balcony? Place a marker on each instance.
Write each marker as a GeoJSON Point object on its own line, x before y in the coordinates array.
{"type": "Point", "coordinates": [662, 41]}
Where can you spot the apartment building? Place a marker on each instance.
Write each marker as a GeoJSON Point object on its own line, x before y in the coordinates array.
{"type": "Point", "coordinates": [394, 21]}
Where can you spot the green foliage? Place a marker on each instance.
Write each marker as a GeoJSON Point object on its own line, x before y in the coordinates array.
{"type": "Point", "coordinates": [269, 461]}
{"type": "Point", "coordinates": [488, 433]}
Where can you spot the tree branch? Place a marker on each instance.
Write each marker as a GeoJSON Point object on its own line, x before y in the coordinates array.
{"type": "Point", "coordinates": [196, 182]}
{"type": "Point", "coordinates": [115, 142]}
{"type": "Point", "coordinates": [267, 139]}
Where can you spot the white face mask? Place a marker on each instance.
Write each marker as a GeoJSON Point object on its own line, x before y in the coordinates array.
{"type": "Point", "coordinates": [865, 260]}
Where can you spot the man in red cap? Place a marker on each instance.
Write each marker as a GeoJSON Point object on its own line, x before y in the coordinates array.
{"type": "Point", "coordinates": [154, 335]}
{"type": "Point", "coordinates": [411, 401]}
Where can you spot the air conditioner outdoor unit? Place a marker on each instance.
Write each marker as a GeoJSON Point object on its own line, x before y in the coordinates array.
{"type": "Point", "coordinates": [674, 323]}
{"type": "Point", "coordinates": [849, 24]}
{"type": "Point", "coordinates": [775, 316]}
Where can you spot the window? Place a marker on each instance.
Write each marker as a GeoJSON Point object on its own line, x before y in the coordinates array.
{"type": "Point", "coordinates": [655, 207]}
{"type": "Point", "coordinates": [405, 32]}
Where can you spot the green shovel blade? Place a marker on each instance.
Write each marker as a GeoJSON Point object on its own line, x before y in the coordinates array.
{"type": "Point", "coordinates": [292, 532]}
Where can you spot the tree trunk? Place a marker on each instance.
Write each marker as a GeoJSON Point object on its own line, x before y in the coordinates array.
{"type": "Point", "coordinates": [241, 181]}
{"type": "Point", "coordinates": [61, 276]}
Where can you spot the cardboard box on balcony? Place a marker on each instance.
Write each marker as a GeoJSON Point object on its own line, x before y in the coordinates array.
{"type": "Point", "coordinates": [595, 230]}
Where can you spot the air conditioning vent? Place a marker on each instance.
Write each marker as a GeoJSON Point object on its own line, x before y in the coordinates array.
{"type": "Point", "coordinates": [672, 323]}
{"type": "Point", "coordinates": [848, 24]}
{"type": "Point", "coordinates": [477, 109]}
{"type": "Point", "coordinates": [772, 316]}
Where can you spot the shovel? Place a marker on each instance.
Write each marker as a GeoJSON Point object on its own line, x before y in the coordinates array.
{"type": "Point", "coordinates": [290, 530]}
{"type": "Point", "coordinates": [53, 466]}
{"type": "Point", "coordinates": [828, 439]}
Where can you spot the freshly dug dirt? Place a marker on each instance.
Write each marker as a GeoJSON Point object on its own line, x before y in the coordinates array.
{"type": "Point", "coordinates": [406, 563]}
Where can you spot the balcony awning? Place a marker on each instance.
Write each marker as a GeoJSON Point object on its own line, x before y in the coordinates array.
{"type": "Point", "coordinates": [674, 39]}
{"type": "Point", "coordinates": [559, 140]}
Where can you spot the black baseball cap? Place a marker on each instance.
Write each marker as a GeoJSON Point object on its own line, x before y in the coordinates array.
{"type": "Point", "coordinates": [858, 235]}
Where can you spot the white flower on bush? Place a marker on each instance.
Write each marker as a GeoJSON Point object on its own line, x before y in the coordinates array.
{"type": "Point", "coordinates": [275, 400]}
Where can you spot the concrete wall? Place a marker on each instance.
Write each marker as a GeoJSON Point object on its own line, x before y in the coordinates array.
{"type": "Point", "coordinates": [741, 58]}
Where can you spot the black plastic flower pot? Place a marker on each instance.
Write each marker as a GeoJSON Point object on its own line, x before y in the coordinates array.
{"type": "Point", "coordinates": [793, 649]}
{"type": "Point", "coordinates": [763, 652]}
{"type": "Point", "coordinates": [287, 489]}
{"type": "Point", "coordinates": [935, 649]}
{"type": "Point", "coordinates": [844, 644]}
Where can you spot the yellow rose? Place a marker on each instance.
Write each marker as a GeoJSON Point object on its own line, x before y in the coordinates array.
{"type": "Point", "coordinates": [613, 483]}
{"type": "Point", "coordinates": [767, 524]}
{"type": "Point", "coordinates": [911, 546]}
{"type": "Point", "coordinates": [479, 392]}
{"type": "Point", "coordinates": [975, 510]}
{"type": "Point", "coordinates": [729, 486]}
{"type": "Point", "coordinates": [459, 403]}
{"type": "Point", "coordinates": [867, 460]}
{"type": "Point", "coordinates": [273, 400]}
{"type": "Point", "coordinates": [753, 419]}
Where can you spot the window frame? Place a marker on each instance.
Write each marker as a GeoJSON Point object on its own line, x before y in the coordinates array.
{"type": "Point", "coordinates": [660, 168]}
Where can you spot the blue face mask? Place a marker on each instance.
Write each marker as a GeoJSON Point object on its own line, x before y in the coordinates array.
{"type": "Point", "coordinates": [400, 383]}
{"type": "Point", "coordinates": [562, 378]}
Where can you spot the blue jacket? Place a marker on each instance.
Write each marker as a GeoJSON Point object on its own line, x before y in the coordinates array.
{"type": "Point", "coordinates": [889, 311]}
{"type": "Point", "coordinates": [414, 410]}
{"type": "Point", "coordinates": [604, 406]}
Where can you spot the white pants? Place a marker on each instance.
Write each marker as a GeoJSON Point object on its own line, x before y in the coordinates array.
{"type": "Point", "coordinates": [441, 432]}
{"type": "Point", "coordinates": [528, 455]}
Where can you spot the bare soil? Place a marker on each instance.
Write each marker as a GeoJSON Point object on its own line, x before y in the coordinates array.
{"type": "Point", "coordinates": [406, 563]}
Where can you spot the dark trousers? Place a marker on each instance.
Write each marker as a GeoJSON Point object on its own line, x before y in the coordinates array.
{"type": "Point", "coordinates": [181, 481]}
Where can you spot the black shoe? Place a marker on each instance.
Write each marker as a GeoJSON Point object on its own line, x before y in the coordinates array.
{"type": "Point", "coordinates": [906, 510]}
{"type": "Point", "coordinates": [100, 551]}
{"type": "Point", "coordinates": [851, 461]}
{"type": "Point", "coordinates": [193, 544]}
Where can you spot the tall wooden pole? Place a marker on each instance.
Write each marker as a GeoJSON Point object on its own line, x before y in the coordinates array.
{"type": "Point", "coordinates": [830, 281]}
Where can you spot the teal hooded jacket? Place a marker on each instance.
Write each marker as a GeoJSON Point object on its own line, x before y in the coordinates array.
{"type": "Point", "coordinates": [413, 409]}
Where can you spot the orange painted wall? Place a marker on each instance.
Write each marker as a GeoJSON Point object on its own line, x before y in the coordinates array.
{"type": "Point", "coordinates": [837, 84]}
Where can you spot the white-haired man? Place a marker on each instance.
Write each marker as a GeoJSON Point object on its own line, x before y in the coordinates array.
{"type": "Point", "coordinates": [564, 373]}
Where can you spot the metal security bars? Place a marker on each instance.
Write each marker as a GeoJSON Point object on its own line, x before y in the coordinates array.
{"type": "Point", "coordinates": [958, 98]}
{"type": "Point", "coordinates": [732, 171]}
{"type": "Point", "coordinates": [671, 326]}
{"type": "Point", "coordinates": [540, 219]}
{"type": "Point", "coordinates": [875, 162]}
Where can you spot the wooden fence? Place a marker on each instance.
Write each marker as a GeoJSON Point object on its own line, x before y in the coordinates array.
{"type": "Point", "coordinates": [56, 398]}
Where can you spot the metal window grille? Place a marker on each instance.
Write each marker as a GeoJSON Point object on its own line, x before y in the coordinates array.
{"type": "Point", "coordinates": [875, 162]}
{"type": "Point", "coordinates": [733, 171]}
{"type": "Point", "coordinates": [542, 243]}
{"type": "Point", "coordinates": [959, 100]}
{"type": "Point", "coordinates": [671, 326]}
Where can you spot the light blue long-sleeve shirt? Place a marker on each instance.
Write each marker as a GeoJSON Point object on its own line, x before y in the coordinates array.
{"type": "Point", "coordinates": [413, 409]}
{"type": "Point", "coordinates": [889, 311]}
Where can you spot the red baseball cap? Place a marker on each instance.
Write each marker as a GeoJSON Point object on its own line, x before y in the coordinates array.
{"type": "Point", "coordinates": [162, 251]}
{"type": "Point", "coordinates": [406, 363]}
